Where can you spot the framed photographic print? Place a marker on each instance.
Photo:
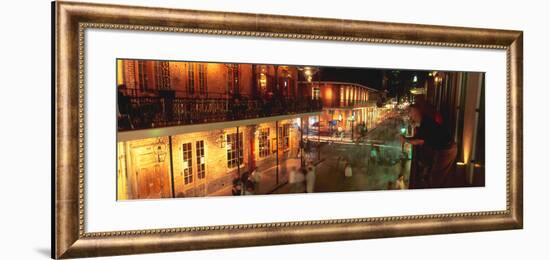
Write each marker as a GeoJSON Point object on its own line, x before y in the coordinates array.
{"type": "Point", "coordinates": [184, 129]}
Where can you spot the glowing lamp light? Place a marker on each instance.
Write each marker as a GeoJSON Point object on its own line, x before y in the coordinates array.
{"type": "Point", "coordinates": [221, 139]}
{"type": "Point", "coordinates": [403, 130]}
{"type": "Point", "coordinates": [161, 153]}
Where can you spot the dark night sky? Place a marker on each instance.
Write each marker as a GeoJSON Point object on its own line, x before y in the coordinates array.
{"type": "Point", "coordinates": [368, 77]}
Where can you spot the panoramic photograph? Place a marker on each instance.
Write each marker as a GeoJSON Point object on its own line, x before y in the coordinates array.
{"type": "Point", "coordinates": [201, 129]}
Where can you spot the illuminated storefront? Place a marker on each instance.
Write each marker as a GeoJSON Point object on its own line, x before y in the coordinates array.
{"type": "Point", "coordinates": [250, 117]}
{"type": "Point", "coordinates": [346, 106]}
{"type": "Point", "coordinates": [205, 163]}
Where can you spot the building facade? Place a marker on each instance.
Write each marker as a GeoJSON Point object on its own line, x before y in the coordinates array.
{"type": "Point", "coordinates": [346, 106]}
{"type": "Point", "coordinates": [189, 129]}
{"type": "Point", "coordinates": [167, 93]}
{"type": "Point", "coordinates": [205, 163]}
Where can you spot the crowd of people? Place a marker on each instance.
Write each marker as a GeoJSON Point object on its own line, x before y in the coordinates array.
{"type": "Point", "coordinates": [301, 180]}
{"type": "Point", "coordinates": [433, 163]}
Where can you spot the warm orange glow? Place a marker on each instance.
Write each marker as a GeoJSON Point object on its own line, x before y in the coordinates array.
{"type": "Point", "coordinates": [143, 167]}
{"type": "Point", "coordinates": [327, 95]}
{"type": "Point", "coordinates": [466, 152]}
{"type": "Point", "coordinates": [263, 80]}
{"type": "Point", "coordinates": [122, 186]}
{"type": "Point", "coordinates": [418, 91]}
{"type": "Point", "coordinates": [119, 73]}
{"type": "Point", "coordinates": [466, 146]}
{"type": "Point", "coordinates": [146, 167]}
{"type": "Point", "coordinates": [214, 68]}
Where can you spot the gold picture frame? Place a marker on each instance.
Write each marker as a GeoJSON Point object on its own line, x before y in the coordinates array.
{"type": "Point", "coordinates": [70, 21]}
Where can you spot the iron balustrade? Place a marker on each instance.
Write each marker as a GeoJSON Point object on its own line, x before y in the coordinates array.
{"type": "Point", "coordinates": [351, 103]}
{"type": "Point", "coordinates": [142, 112]}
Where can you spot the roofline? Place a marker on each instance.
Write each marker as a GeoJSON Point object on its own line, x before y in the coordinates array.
{"type": "Point", "coordinates": [344, 83]}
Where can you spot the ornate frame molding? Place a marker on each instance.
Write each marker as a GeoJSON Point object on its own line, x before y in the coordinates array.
{"type": "Point", "coordinates": [72, 19]}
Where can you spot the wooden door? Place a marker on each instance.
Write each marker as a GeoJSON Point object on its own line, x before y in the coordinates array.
{"type": "Point", "coordinates": [152, 173]}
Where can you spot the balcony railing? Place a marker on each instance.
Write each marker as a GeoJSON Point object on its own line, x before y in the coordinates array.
{"type": "Point", "coordinates": [351, 104]}
{"type": "Point", "coordinates": [141, 112]}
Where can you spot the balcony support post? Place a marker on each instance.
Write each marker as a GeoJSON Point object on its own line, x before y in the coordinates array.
{"type": "Point", "coordinates": [277, 153]}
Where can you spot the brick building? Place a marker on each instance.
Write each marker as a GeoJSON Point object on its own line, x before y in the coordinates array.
{"type": "Point", "coordinates": [346, 105]}
{"type": "Point", "coordinates": [188, 129]}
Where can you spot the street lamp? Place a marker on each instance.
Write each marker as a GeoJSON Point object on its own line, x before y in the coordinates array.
{"type": "Point", "coordinates": [352, 119]}
{"type": "Point", "coordinates": [160, 152]}
{"type": "Point", "coordinates": [315, 95]}
{"type": "Point", "coordinates": [221, 139]}
{"type": "Point", "coordinates": [309, 72]}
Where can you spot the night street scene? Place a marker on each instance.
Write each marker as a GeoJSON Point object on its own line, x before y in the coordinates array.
{"type": "Point", "coordinates": [198, 129]}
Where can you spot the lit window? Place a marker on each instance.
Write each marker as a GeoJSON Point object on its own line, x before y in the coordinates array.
{"type": "Point", "coordinates": [263, 141]}
{"type": "Point", "coordinates": [234, 150]}
{"type": "Point", "coordinates": [187, 163]}
{"type": "Point", "coordinates": [284, 136]}
{"type": "Point", "coordinates": [342, 96]}
{"type": "Point", "coordinates": [263, 81]}
{"type": "Point", "coordinates": [191, 78]}
{"type": "Point", "coordinates": [142, 74]}
{"type": "Point", "coordinates": [202, 78]}
{"type": "Point", "coordinates": [316, 93]}
{"type": "Point", "coordinates": [201, 162]}
{"type": "Point", "coordinates": [163, 75]}
{"type": "Point", "coordinates": [232, 78]}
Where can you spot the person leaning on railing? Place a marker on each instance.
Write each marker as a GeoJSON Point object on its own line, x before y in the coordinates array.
{"type": "Point", "coordinates": [436, 150]}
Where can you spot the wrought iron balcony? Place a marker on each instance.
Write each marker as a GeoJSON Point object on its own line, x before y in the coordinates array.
{"type": "Point", "coordinates": [349, 104]}
{"type": "Point", "coordinates": [142, 112]}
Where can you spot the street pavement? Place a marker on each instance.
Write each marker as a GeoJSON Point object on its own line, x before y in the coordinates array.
{"type": "Point", "coordinates": [378, 173]}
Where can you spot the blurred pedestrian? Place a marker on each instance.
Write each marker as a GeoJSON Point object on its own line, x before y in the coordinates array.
{"type": "Point", "coordinates": [256, 177]}
{"type": "Point", "coordinates": [340, 163]}
{"type": "Point", "coordinates": [307, 149]}
{"type": "Point", "coordinates": [245, 179]}
{"type": "Point", "coordinates": [249, 188]}
{"type": "Point", "coordinates": [310, 178]}
{"type": "Point", "coordinates": [373, 154]}
{"type": "Point", "coordinates": [400, 182]}
{"type": "Point", "coordinates": [348, 170]}
{"type": "Point", "coordinates": [237, 185]}
{"type": "Point", "coordinates": [296, 180]}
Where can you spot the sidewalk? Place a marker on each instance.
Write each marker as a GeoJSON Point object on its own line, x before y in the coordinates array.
{"type": "Point", "coordinates": [268, 180]}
